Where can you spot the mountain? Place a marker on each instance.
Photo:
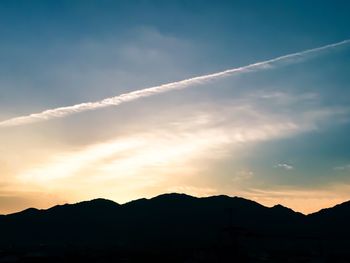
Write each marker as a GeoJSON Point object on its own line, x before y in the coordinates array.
{"type": "Point", "coordinates": [176, 222]}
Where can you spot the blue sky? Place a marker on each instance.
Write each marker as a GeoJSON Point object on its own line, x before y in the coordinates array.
{"type": "Point", "coordinates": [275, 136]}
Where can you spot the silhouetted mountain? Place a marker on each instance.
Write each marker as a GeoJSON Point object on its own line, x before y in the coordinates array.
{"type": "Point", "coordinates": [332, 221]}
{"type": "Point", "coordinates": [176, 222]}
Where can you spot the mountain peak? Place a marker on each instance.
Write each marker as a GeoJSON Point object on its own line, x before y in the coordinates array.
{"type": "Point", "coordinates": [280, 207]}
{"type": "Point", "coordinates": [173, 196]}
{"type": "Point", "coordinates": [30, 210]}
{"type": "Point", "coordinates": [99, 201]}
{"type": "Point", "coordinates": [285, 210]}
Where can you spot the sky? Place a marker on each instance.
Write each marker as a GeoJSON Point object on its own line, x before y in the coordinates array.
{"type": "Point", "coordinates": [275, 135]}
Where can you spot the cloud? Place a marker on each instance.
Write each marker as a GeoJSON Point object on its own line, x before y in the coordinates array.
{"type": "Point", "coordinates": [284, 166]}
{"type": "Point", "coordinates": [342, 168]}
{"type": "Point", "coordinates": [243, 175]}
{"type": "Point", "coordinates": [127, 156]}
{"type": "Point", "coordinates": [175, 143]}
{"type": "Point", "coordinates": [134, 95]}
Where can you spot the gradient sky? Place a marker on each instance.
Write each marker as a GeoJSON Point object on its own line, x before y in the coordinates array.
{"type": "Point", "coordinates": [274, 136]}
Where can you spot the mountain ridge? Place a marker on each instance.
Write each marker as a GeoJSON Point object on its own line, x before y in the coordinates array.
{"type": "Point", "coordinates": [173, 194]}
{"type": "Point", "coordinates": [176, 223]}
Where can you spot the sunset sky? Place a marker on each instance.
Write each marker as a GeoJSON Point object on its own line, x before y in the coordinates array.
{"type": "Point", "coordinates": [276, 135]}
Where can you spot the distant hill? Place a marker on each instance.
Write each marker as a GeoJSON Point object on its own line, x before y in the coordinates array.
{"type": "Point", "coordinates": [174, 221]}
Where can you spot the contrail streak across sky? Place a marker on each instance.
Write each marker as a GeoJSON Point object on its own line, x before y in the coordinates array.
{"type": "Point", "coordinates": [134, 95]}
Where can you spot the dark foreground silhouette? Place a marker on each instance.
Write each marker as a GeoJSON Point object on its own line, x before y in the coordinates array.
{"type": "Point", "coordinates": [175, 228]}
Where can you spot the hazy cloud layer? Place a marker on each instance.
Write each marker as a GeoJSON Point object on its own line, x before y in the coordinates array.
{"type": "Point", "coordinates": [172, 150]}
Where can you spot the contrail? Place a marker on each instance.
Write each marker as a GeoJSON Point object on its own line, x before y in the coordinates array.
{"type": "Point", "coordinates": [134, 95]}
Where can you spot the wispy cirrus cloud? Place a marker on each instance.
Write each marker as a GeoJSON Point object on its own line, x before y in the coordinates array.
{"type": "Point", "coordinates": [176, 143]}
